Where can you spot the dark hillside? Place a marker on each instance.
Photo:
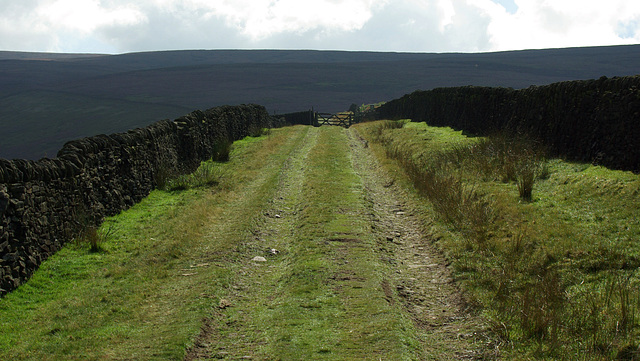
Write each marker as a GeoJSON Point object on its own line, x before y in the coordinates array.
{"type": "Point", "coordinates": [154, 85]}
{"type": "Point", "coordinates": [19, 55]}
{"type": "Point", "coordinates": [82, 115]}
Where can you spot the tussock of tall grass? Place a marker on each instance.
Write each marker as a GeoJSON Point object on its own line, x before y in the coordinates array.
{"type": "Point", "coordinates": [222, 150]}
{"type": "Point", "coordinates": [87, 232]}
{"type": "Point", "coordinates": [508, 158]}
{"type": "Point", "coordinates": [95, 237]}
{"type": "Point", "coordinates": [608, 316]}
{"type": "Point", "coordinates": [587, 304]}
{"type": "Point", "coordinates": [387, 124]}
{"type": "Point", "coordinates": [207, 175]}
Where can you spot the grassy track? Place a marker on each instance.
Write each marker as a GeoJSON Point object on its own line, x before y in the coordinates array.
{"type": "Point", "coordinates": [180, 275]}
{"type": "Point", "coordinates": [319, 295]}
{"type": "Point", "coordinates": [316, 246]}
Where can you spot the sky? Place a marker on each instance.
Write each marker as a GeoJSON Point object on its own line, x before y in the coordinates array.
{"type": "Point", "coordinates": [120, 26]}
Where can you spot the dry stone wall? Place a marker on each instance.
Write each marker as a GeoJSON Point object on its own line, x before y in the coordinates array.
{"type": "Point", "coordinates": [303, 118]}
{"type": "Point", "coordinates": [588, 120]}
{"type": "Point", "coordinates": [44, 203]}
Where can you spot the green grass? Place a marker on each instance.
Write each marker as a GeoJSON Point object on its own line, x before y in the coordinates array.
{"type": "Point", "coordinates": [333, 282]}
{"type": "Point", "coordinates": [556, 271]}
{"type": "Point", "coordinates": [321, 296]}
{"type": "Point", "coordinates": [81, 304]}
{"type": "Point", "coordinates": [174, 272]}
{"type": "Point", "coordinates": [145, 294]}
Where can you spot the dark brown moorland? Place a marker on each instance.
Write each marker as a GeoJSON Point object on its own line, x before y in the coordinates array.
{"type": "Point", "coordinates": [48, 99]}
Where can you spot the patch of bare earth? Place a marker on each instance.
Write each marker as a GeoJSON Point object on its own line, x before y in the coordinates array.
{"type": "Point", "coordinates": [422, 281]}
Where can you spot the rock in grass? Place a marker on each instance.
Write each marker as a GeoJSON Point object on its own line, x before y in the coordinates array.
{"type": "Point", "coordinates": [224, 304]}
{"type": "Point", "coordinates": [259, 259]}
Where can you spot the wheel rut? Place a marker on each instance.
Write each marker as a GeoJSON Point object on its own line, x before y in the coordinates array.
{"type": "Point", "coordinates": [421, 279]}
{"type": "Point", "coordinates": [334, 266]}
{"type": "Point", "coordinates": [231, 332]}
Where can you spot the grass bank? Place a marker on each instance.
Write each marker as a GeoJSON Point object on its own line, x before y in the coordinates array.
{"type": "Point", "coordinates": [545, 248]}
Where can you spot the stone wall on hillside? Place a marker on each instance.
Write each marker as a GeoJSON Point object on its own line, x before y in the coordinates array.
{"type": "Point", "coordinates": [45, 203]}
{"type": "Point", "coordinates": [586, 120]}
{"type": "Point", "coordinates": [303, 118]}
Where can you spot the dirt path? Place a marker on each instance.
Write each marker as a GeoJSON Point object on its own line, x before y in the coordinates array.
{"type": "Point", "coordinates": [421, 279]}
{"type": "Point", "coordinates": [335, 267]}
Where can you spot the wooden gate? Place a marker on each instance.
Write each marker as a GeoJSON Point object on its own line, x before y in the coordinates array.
{"type": "Point", "coordinates": [342, 119]}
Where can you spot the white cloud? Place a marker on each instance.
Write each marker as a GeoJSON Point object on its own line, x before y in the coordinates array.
{"type": "Point", "coordinates": [57, 25]}
{"type": "Point", "coordinates": [564, 23]}
{"type": "Point", "coordinates": [86, 16]}
{"type": "Point", "coordinates": [261, 19]}
{"type": "Point", "coordinates": [393, 25]}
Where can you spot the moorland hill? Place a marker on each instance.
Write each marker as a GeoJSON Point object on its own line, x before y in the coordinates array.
{"type": "Point", "coordinates": [48, 99]}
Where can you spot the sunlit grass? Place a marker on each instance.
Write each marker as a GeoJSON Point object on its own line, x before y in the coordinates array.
{"type": "Point", "coordinates": [170, 260]}
{"type": "Point", "coordinates": [557, 269]}
{"type": "Point", "coordinates": [144, 294]}
{"type": "Point", "coordinates": [322, 298]}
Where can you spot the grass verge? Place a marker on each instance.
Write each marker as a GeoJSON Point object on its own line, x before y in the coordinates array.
{"type": "Point", "coordinates": [554, 264]}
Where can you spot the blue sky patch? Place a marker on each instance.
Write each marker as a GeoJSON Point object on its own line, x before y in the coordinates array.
{"type": "Point", "coordinates": [629, 29]}
{"type": "Point", "coordinates": [510, 5]}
